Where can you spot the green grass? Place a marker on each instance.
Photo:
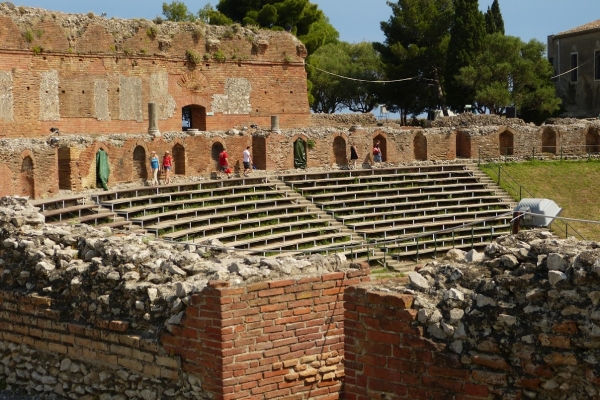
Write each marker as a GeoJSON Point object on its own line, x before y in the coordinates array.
{"type": "Point", "coordinates": [571, 184]}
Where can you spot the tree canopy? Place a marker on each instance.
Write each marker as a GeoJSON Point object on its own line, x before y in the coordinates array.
{"type": "Point", "coordinates": [511, 72]}
{"type": "Point", "coordinates": [417, 37]}
{"type": "Point", "coordinates": [177, 11]}
{"type": "Point", "coordinates": [494, 23]}
{"type": "Point", "coordinates": [350, 68]}
{"type": "Point", "coordinates": [466, 37]}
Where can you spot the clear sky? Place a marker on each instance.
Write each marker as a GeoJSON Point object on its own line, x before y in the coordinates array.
{"type": "Point", "coordinates": [359, 20]}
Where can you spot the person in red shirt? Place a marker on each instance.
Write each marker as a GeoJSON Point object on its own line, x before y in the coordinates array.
{"type": "Point", "coordinates": [224, 163]}
{"type": "Point", "coordinates": [167, 166]}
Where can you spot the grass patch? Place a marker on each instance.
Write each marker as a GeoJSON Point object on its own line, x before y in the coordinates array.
{"type": "Point", "coordinates": [571, 184]}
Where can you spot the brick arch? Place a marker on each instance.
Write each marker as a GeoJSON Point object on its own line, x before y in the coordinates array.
{"type": "Point", "coordinates": [340, 155]}
{"type": "Point", "coordinates": [549, 141]}
{"type": "Point", "coordinates": [215, 149]}
{"type": "Point", "coordinates": [140, 170]}
{"type": "Point", "coordinates": [10, 35]}
{"type": "Point", "coordinates": [420, 147]}
{"type": "Point", "coordinates": [95, 39]}
{"type": "Point", "coordinates": [382, 144]}
{"type": "Point", "coordinates": [506, 143]}
{"type": "Point", "coordinates": [195, 116]}
{"type": "Point", "coordinates": [463, 145]}
{"type": "Point", "coordinates": [52, 36]}
{"type": "Point", "coordinates": [26, 180]}
{"type": "Point", "coordinates": [592, 140]}
{"type": "Point", "coordinates": [179, 158]}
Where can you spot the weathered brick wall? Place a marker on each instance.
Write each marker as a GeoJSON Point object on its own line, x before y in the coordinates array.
{"type": "Point", "coordinates": [278, 339]}
{"type": "Point", "coordinates": [70, 163]}
{"type": "Point", "coordinates": [388, 357]}
{"type": "Point", "coordinates": [94, 75]}
{"type": "Point", "coordinates": [30, 325]}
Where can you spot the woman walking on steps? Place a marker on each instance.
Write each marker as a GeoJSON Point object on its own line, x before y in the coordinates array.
{"type": "Point", "coordinates": [154, 166]}
{"type": "Point", "coordinates": [167, 165]}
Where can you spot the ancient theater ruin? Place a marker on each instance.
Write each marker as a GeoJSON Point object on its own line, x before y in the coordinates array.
{"type": "Point", "coordinates": [261, 287]}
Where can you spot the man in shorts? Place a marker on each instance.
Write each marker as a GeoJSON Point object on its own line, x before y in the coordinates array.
{"type": "Point", "coordinates": [224, 163]}
{"type": "Point", "coordinates": [247, 159]}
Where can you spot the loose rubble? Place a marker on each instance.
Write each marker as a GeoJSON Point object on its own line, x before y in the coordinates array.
{"type": "Point", "coordinates": [95, 275]}
{"type": "Point", "coordinates": [533, 299]}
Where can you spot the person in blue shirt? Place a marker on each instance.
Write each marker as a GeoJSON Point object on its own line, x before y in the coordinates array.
{"type": "Point", "coordinates": [154, 165]}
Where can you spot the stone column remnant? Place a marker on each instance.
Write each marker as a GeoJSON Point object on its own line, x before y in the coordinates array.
{"type": "Point", "coordinates": [153, 120]}
{"type": "Point", "coordinates": [275, 123]}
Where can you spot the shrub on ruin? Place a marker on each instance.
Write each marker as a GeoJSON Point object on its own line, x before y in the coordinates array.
{"type": "Point", "coordinates": [219, 56]}
{"type": "Point", "coordinates": [28, 35]}
{"type": "Point", "coordinates": [193, 57]}
{"type": "Point", "coordinates": [152, 31]}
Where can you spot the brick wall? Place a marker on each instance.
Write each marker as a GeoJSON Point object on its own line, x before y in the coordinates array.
{"type": "Point", "coordinates": [279, 339]}
{"type": "Point", "coordinates": [32, 321]}
{"type": "Point", "coordinates": [387, 356]}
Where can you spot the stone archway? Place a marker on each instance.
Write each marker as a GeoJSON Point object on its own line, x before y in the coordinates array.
{"type": "Point", "coordinates": [463, 145]}
{"type": "Point", "coordinates": [179, 159]}
{"type": "Point", "coordinates": [592, 141]}
{"type": "Point", "coordinates": [339, 151]}
{"type": "Point", "coordinates": [140, 170]}
{"type": "Point", "coordinates": [193, 116]}
{"type": "Point", "coordinates": [215, 150]}
{"type": "Point", "coordinates": [27, 183]}
{"type": "Point", "coordinates": [420, 147]}
{"type": "Point", "coordinates": [549, 141]}
{"type": "Point", "coordinates": [506, 144]}
{"type": "Point", "coordinates": [382, 145]}
{"type": "Point", "coordinates": [64, 168]}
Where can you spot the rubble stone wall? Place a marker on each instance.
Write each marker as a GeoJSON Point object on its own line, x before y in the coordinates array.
{"type": "Point", "coordinates": [520, 321]}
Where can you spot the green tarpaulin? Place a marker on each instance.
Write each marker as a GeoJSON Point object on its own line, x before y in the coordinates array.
{"type": "Point", "coordinates": [102, 169]}
{"type": "Point", "coordinates": [300, 154]}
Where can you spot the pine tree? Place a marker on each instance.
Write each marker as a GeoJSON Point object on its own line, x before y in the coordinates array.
{"type": "Point", "coordinates": [494, 23]}
{"type": "Point", "coordinates": [467, 34]}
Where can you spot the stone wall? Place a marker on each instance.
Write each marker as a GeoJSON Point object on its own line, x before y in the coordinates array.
{"type": "Point", "coordinates": [86, 312]}
{"type": "Point", "coordinates": [520, 323]}
{"type": "Point", "coordinates": [93, 75]}
{"type": "Point", "coordinates": [41, 167]}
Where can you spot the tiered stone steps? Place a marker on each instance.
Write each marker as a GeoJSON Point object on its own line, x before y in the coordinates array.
{"type": "Point", "coordinates": [256, 214]}
{"type": "Point", "coordinates": [387, 214]}
{"type": "Point", "coordinates": [408, 209]}
{"type": "Point", "coordinates": [78, 209]}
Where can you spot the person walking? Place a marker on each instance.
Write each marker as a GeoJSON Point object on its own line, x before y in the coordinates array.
{"type": "Point", "coordinates": [224, 163]}
{"type": "Point", "coordinates": [167, 166]}
{"type": "Point", "coordinates": [154, 166]}
{"type": "Point", "coordinates": [377, 158]}
{"type": "Point", "coordinates": [247, 160]}
{"type": "Point", "coordinates": [353, 155]}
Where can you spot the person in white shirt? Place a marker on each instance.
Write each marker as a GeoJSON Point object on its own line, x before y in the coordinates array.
{"type": "Point", "coordinates": [247, 161]}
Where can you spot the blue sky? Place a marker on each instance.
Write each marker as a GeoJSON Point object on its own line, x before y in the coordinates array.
{"type": "Point", "coordinates": [358, 20]}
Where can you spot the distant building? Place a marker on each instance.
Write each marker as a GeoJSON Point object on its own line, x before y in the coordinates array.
{"type": "Point", "coordinates": [575, 55]}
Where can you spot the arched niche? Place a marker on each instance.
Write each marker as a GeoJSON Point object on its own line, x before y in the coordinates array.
{"type": "Point", "coordinates": [420, 147]}
{"type": "Point", "coordinates": [382, 145]}
{"type": "Point", "coordinates": [506, 143]}
{"type": "Point", "coordinates": [592, 140]}
{"type": "Point", "coordinates": [179, 159]}
{"type": "Point", "coordinates": [549, 141]}
{"type": "Point", "coordinates": [27, 182]}
{"type": "Point", "coordinates": [215, 150]}
{"type": "Point", "coordinates": [339, 151]}
{"type": "Point", "coordinates": [140, 170]}
{"type": "Point", "coordinates": [463, 145]}
{"type": "Point", "coordinates": [193, 116]}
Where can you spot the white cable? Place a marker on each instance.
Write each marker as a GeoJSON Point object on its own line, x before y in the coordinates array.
{"type": "Point", "coordinates": [360, 80]}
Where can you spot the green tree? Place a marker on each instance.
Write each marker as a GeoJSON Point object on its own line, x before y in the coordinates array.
{"type": "Point", "coordinates": [417, 36]}
{"type": "Point", "coordinates": [511, 72]}
{"type": "Point", "coordinates": [328, 92]}
{"type": "Point", "coordinates": [177, 11]}
{"type": "Point", "coordinates": [364, 67]}
{"type": "Point", "coordinates": [319, 34]}
{"type": "Point", "coordinates": [211, 16]}
{"type": "Point", "coordinates": [494, 23]}
{"type": "Point", "coordinates": [467, 35]}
